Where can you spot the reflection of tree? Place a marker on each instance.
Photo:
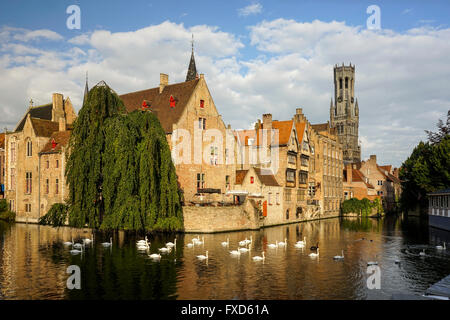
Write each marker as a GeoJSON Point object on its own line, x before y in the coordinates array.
{"type": "Point", "coordinates": [359, 224]}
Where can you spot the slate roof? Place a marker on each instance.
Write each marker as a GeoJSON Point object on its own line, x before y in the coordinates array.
{"type": "Point", "coordinates": [159, 102]}
{"type": "Point", "coordinates": [320, 127]}
{"type": "Point", "coordinates": [44, 128]}
{"type": "Point", "coordinates": [39, 112]}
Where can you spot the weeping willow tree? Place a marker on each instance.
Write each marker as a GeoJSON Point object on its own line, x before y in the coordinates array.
{"type": "Point", "coordinates": [119, 171]}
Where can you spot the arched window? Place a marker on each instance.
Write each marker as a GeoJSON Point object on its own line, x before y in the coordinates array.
{"type": "Point", "coordinates": [340, 83]}
{"type": "Point", "coordinates": [346, 82]}
{"type": "Point", "coordinates": [29, 148]}
{"type": "Point", "coordinates": [287, 214]}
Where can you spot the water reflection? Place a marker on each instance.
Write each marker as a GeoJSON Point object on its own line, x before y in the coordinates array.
{"type": "Point", "coordinates": [33, 262]}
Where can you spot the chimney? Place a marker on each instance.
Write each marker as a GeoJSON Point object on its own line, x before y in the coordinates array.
{"type": "Point", "coordinates": [202, 76]}
{"type": "Point", "coordinates": [373, 158]}
{"type": "Point", "coordinates": [299, 111]}
{"type": "Point", "coordinates": [62, 124]}
{"type": "Point", "coordinates": [58, 107]}
{"type": "Point", "coordinates": [267, 121]}
{"type": "Point", "coordinates": [163, 81]}
{"type": "Point", "coordinates": [349, 173]}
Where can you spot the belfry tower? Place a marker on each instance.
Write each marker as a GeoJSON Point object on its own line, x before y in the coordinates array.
{"type": "Point", "coordinates": [344, 113]}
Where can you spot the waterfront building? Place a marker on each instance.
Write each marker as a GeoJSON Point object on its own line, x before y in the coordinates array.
{"type": "Point", "coordinates": [384, 179]}
{"type": "Point", "coordinates": [356, 185]}
{"type": "Point", "coordinates": [2, 165]}
{"type": "Point", "coordinates": [27, 175]}
{"type": "Point", "coordinates": [195, 131]}
{"type": "Point", "coordinates": [344, 112]}
{"type": "Point", "coordinates": [439, 209]}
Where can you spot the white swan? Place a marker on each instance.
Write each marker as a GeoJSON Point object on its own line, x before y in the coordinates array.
{"type": "Point", "coordinates": [273, 245]}
{"type": "Point", "coordinates": [76, 251]}
{"type": "Point", "coordinates": [191, 244]}
{"type": "Point", "coordinates": [314, 254]}
{"type": "Point", "coordinates": [226, 243]}
{"type": "Point", "coordinates": [441, 247]}
{"type": "Point", "coordinates": [282, 244]}
{"type": "Point", "coordinates": [258, 258]}
{"type": "Point", "coordinates": [339, 257]}
{"type": "Point", "coordinates": [302, 242]}
{"type": "Point", "coordinates": [202, 257]}
{"type": "Point", "coordinates": [235, 252]}
{"type": "Point", "coordinates": [249, 241]}
{"type": "Point", "coordinates": [243, 242]}
{"type": "Point", "coordinates": [107, 244]}
{"type": "Point", "coordinates": [155, 256]}
{"type": "Point", "coordinates": [143, 246]}
{"type": "Point", "coordinates": [197, 241]}
{"type": "Point", "coordinates": [142, 241]}
{"type": "Point", "coordinates": [299, 245]}
{"type": "Point", "coordinates": [170, 244]}
{"type": "Point", "coordinates": [77, 245]}
{"type": "Point", "coordinates": [68, 243]}
{"type": "Point", "coordinates": [164, 249]}
{"type": "Point", "coordinates": [244, 249]}
{"type": "Point", "coordinates": [87, 240]}
{"type": "Point", "coordinates": [422, 253]}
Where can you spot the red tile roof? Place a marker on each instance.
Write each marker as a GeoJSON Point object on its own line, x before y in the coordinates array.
{"type": "Point", "coordinates": [266, 178]}
{"type": "Point", "coordinates": [284, 132]}
{"type": "Point", "coordinates": [240, 175]}
{"type": "Point", "coordinates": [357, 176]}
{"type": "Point", "coordinates": [61, 138]}
{"type": "Point", "coordinates": [300, 128]}
{"type": "Point", "coordinates": [2, 140]}
{"type": "Point", "coordinates": [160, 102]}
{"type": "Point", "coordinates": [44, 128]}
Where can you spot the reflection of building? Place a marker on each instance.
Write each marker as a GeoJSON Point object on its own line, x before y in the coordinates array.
{"type": "Point", "coordinates": [439, 209]}
{"type": "Point", "coordinates": [32, 177]}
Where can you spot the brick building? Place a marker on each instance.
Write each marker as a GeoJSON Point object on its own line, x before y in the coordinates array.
{"type": "Point", "coordinates": [356, 185]}
{"type": "Point", "coordinates": [27, 174]}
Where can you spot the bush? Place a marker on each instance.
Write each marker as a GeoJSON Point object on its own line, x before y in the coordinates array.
{"type": "Point", "coordinates": [5, 214]}
{"type": "Point", "coordinates": [56, 216]}
{"type": "Point", "coordinates": [362, 207]}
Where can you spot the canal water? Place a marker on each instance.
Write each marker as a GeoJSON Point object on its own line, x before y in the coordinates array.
{"type": "Point", "coordinates": [34, 261]}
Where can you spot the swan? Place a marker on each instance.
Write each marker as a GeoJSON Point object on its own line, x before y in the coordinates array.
{"type": "Point", "coordinates": [170, 244]}
{"type": "Point", "coordinates": [87, 240]}
{"type": "Point", "coordinates": [76, 251]}
{"type": "Point", "coordinates": [200, 242]}
{"type": "Point", "coordinates": [202, 257]}
{"type": "Point", "coordinates": [315, 247]}
{"type": "Point", "coordinates": [244, 249]}
{"type": "Point", "coordinates": [243, 242]}
{"type": "Point", "coordinates": [422, 253]}
{"type": "Point", "coordinates": [226, 243]}
{"type": "Point", "coordinates": [314, 254]}
{"type": "Point", "coordinates": [258, 258]}
{"type": "Point", "coordinates": [190, 245]}
{"type": "Point", "coordinates": [273, 245]}
{"type": "Point", "coordinates": [107, 244]}
{"type": "Point", "coordinates": [78, 245]}
{"type": "Point", "coordinates": [164, 249]}
{"type": "Point", "coordinates": [249, 241]}
{"type": "Point", "coordinates": [68, 243]}
{"type": "Point", "coordinates": [282, 244]}
{"type": "Point", "coordinates": [339, 257]}
{"type": "Point", "coordinates": [143, 246]}
{"type": "Point", "coordinates": [155, 256]}
{"type": "Point", "coordinates": [441, 247]}
{"type": "Point", "coordinates": [235, 252]}
{"type": "Point", "coordinates": [302, 242]}
{"type": "Point", "coordinates": [142, 241]}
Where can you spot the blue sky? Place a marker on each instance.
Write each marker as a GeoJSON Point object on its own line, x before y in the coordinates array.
{"type": "Point", "coordinates": [275, 58]}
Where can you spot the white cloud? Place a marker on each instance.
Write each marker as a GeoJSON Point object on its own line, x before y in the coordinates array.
{"type": "Point", "coordinates": [251, 9]}
{"type": "Point", "coordinates": [406, 11]}
{"type": "Point", "coordinates": [401, 78]}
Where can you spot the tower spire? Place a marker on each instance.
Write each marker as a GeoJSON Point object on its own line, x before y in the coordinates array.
{"type": "Point", "coordinates": [192, 70]}
{"type": "Point", "coordinates": [86, 89]}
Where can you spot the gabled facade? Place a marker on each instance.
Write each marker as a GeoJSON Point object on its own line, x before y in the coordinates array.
{"type": "Point", "coordinates": [356, 185]}
{"type": "Point", "coordinates": [23, 161]}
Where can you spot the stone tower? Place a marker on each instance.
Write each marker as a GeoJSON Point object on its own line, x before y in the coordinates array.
{"type": "Point", "coordinates": [344, 113]}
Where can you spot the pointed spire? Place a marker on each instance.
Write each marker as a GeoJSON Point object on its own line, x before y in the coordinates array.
{"type": "Point", "coordinates": [192, 70]}
{"type": "Point", "coordinates": [86, 88]}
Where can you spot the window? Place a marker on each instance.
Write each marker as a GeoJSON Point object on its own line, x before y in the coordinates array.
{"type": "Point", "coordinates": [346, 82]}
{"type": "Point", "coordinates": [202, 123]}
{"type": "Point", "coordinates": [227, 182]}
{"type": "Point", "coordinates": [311, 189]}
{"type": "Point", "coordinates": [340, 83]}
{"type": "Point", "coordinates": [13, 152]}
{"type": "Point", "coordinates": [48, 164]}
{"type": "Point", "coordinates": [172, 102]}
{"type": "Point", "coordinates": [291, 158]}
{"type": "Point", "coordinates": [380, 193]}
{"type": "Point", "coordinates": [214, 155]}
{"type": "Point", "coordinates": [28, 182]}
{"type": "Point", "coordinates": [380, 182]}
{"type": "Point", "coordinates": [57, 163]}
{"type": "Point", "coordinates": [287, 214]}
{"type": "Point", "coordinates": [29, 148]}
{"type": "Point", "coordinates": [200, 180]}
{"type": "Point", "coordinates": [287, 194]}
{"type": "Point", "coordinates": [11, 205]}
{"type": "Point", "coordinates": [290, 176]}
{"type": "Point", "coordinates": [301, 194]}
{"type": "Point", "coordinates": [202, 103]}
{"type": "Point", "coordinates": [57, 186]}
{"type": "Point", "coordinates": [304, 160]}
{"type": "Point", "coordinates": [27, 207]}
{"type": "Point", "coordinates": [277, 198]}
{"type": "Point", "coordinates": [270, 198]}
{"type": "Point", "coordinates": [47, 186]}
{"type": "Point", "coordinates": [305, 146]}
{"type": "Point", "coordinates": [13, 179]}
{"type": "Point", "coordinates": [302, 177]}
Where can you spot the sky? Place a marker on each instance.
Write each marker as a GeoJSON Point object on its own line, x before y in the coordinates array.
{"type": "Point", "coordinates": [257, 56]}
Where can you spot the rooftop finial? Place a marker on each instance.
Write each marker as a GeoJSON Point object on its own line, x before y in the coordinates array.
{"type": "Point", "coordinates": [192, 42]}
{"type": "Point", "coordinates": [192, 70]}
{"type": "Point", "coordinates": [31, 103]}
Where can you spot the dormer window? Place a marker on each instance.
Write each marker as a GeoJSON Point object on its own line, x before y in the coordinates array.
{"type": "Point", "coordinates": [53, 144]}
{"type": "Point", "coordinates": [202, 103]}
{"type": "Point", "coordinates": [172, 102]}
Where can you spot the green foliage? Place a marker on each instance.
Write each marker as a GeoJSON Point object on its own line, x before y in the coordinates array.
{"type": "Point", "coordinates": [426, 170]}
{"type": "Point", "coordinates": [362, 207]}
{"type": "Point", "coordinates": [120, 171]}
{"type": "Point", "coordinates": [5, 213]}
{"type": "Point", "coordinates": [56, 216]}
